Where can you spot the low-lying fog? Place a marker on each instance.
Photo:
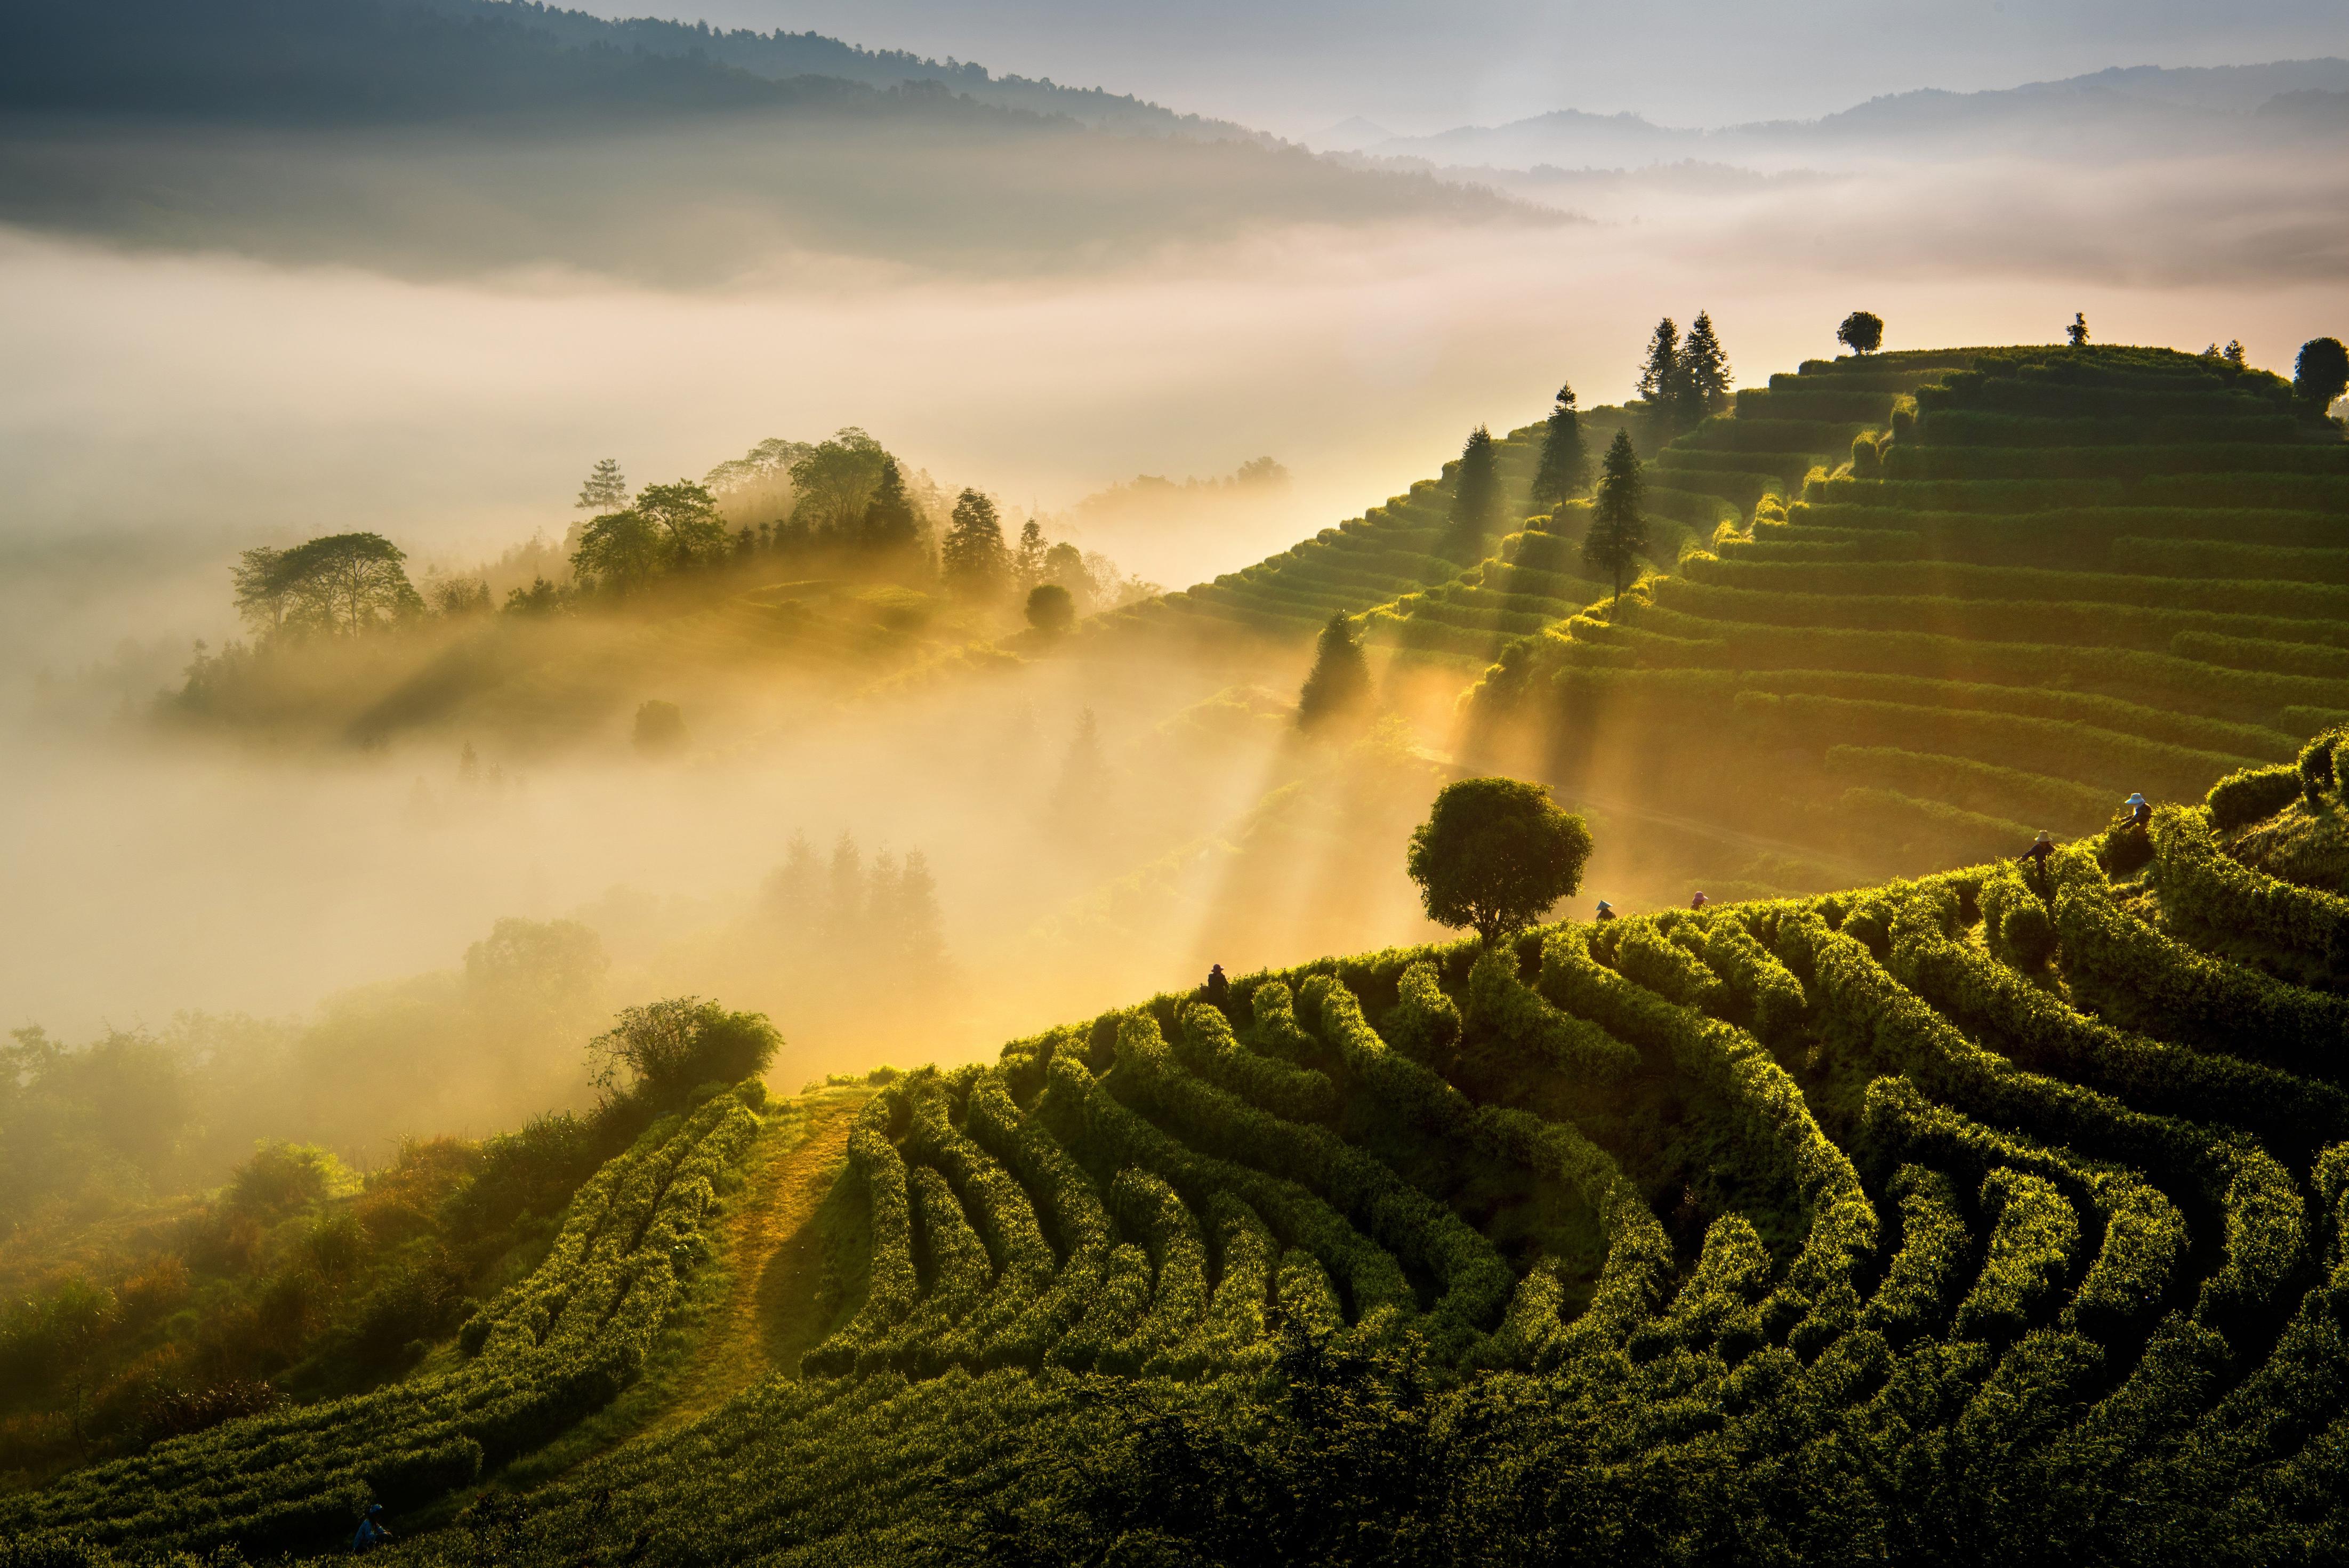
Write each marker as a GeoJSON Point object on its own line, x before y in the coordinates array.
{"type": "Point", "coordinates": [163, 412]}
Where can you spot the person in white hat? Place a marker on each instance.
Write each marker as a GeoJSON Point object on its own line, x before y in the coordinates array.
{"type": "Point", "coordinates": [1606, 911]}
{"type": "Point", "coordinates": [2140, 812]}
{"type": "Point", "coordinates": [2041, 848]}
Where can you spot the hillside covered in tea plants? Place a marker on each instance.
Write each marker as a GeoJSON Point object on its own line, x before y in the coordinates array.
{"type": "Point", "coordinates": [1996, 1214]}
{"type": "Point", "coordinates": [1959, 596]}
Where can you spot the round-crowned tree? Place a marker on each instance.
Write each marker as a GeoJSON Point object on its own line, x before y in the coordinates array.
{"type": "Point", "coordinates": [1496, 854]}
{"type": "Point", "coordinates": [1862, 332]}
{"type": "Point", "coordinates": [664, 1050]}
{"type": "Point", "coordinates": [2322, 372]}
{"type": "Point", "coordinates": [1051, 608]}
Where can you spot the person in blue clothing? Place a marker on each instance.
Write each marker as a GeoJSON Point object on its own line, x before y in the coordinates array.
{"type": "Point", "coordinates": [2140, 812]}
{"type": "Point", "coordinates": [370, 1533]}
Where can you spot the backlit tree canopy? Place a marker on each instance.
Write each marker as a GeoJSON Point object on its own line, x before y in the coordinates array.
{"type": "Point", "coordinates": [344, 584]}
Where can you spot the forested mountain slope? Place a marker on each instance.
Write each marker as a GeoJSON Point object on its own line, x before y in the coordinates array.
{"type": "Point", "coordinates": [444, 139]}
{"type": "Point", "coordinates": [780, 55]}
{"type": "Point", "coordinates": [1997, 1215]}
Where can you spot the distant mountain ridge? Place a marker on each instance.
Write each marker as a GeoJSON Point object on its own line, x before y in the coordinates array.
{"type": "Point", "coordinates": [407, 61]}
{"type": "Point", "coordinates": [779, 56]}
{"type": "Point", "coordinates": [2123, 111]}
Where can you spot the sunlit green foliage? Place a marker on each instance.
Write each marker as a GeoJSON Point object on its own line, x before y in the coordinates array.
{"type": "Point", "coordinates": [2016, 533]}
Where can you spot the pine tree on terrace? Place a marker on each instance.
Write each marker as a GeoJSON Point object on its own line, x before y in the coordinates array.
{"type": "Point", "coordinates": [1704, 369]}
{"type": "Point", "coordinates": [1661, 373]}
{"type": "Point", "coordinates": [972, 559]}
{"type": "Point", "coordinates": [889, 525]}
{"type": "Point", "coordinates": [1617, 533]}
{"type": "Point", "coordinates": [1565, 466]}
{"type": "Point", "coordinates": [1476, 488]}
{"type": "Point", "coordinates": [1340, 681]}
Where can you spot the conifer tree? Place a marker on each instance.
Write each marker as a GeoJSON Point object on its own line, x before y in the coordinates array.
{"type": "Point", "coordinates": [1662, 370]}
{"type": "Point", "coordinates": [1340, 681]}
{"type": "Point", "coordinates": [1565, 467]}
{"type": "Point", "coordinates": [2233, 352]}
{"type": "Point", "coordinates": [1617, 533]}
{"type": "Point", "coordinates": [1028, 567]}
{"type": "Point", "coordinates": [920, 937]}
{"type": "Point", "coordinates": [2078, 331]}
{"type": "Point", "coordinates": [1704, 369]}
{"type": "Point", "coordinates": [1476, 487]}
{"type": "Point", "coordinates": [889, 526]}
{"type": "Point", "coordinates": [973, 559]}
{"type": "Point", "coordinates": [792, 891]}
{"type": "Point", "coordinates": [606, 489]}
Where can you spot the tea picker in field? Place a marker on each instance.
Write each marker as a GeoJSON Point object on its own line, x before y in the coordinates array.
{"type": "Point", "coordinates": [2140, 812]}
{"type": "Point", "coordinates": [1220, 988]}
{"type": "Point", "coordinates": [1606, 911]}
{"type": "Point", "coordinates": [370, 1533]}
{"type": "Point", "coordinates": [2041, 848]}
{"type": "Point", "coordinates": [1699, 902]}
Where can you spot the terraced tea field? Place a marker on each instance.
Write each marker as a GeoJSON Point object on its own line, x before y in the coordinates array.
{"type": "Point", "coordinates": [1998, 1213]}
{"type": "Point", "coordinates": [2043, 578]}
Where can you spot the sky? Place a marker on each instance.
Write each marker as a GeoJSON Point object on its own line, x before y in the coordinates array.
{"type": "Point", "coordinates": [1421, 66]}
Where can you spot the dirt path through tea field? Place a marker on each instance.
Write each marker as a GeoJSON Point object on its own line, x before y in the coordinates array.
{"type": "Point", "coordinates": [771, 1244]}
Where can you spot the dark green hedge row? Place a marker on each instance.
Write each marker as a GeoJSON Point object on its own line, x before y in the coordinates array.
{"type": "Point", "coordinates": [2224, 560]}
{"type": "Point", "coordinates": [1815, 401]}
{"type": "Point", "coordinates": [1905, 461]}
{"type": "Point", "coordinates": [2006, 793]}
{"type": "Point", "coordinates": [2084, 754]}
{"type": "Point", "coordinates": [2061, 400]}
{"type": "Point", "coordinates": [2230, 491]}
{"type": "Point", "coordinates": [1950, 579]}
{"type": "Point", "coordinates": [1690, 647]}
{"type": "Point", "coordinates": [1758, 654]}
{"type": "Point", "coordinates": [2143, 627]}
{"type": "Point", "coordinates": [1948, 426]}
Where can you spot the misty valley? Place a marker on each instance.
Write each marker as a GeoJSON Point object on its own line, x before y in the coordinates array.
{"type": "Point", "coordinates": [1496, 836]}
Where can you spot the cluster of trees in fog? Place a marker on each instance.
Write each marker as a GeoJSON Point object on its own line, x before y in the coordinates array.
{"type": "Point", "coordinates": [842, 507]}
{"type": "Point", "coordinates": [141, 1112]}
{"type": "Point", "coordinates": [1685, 378]}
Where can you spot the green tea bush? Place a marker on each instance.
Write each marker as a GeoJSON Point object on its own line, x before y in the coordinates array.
{"type": "Point", "coordinates": [2015, 922]}
{"type": "Point", "coordinates": [1646, 957]}
{"type": "Point", "coordinates": [1207, 1047]}
{"type": "Point", "coordinates": [2032, 1236]}
{"type": "Point", "coordinates": [2198, 882]}
{"type": "Point", "coordinates": [1517, 1014]}
{"type": "Point", "coordinates": [2251, 794]}
{"type": "Point", "coordinates": [2145, 975]}
{"type": "Point", "coordinates": [1771, 996]}
{"type": "Point", "coordinates": [1149, 1209]}
{"type": "Point", "coordinates": [1922, 1282]}
{"type": "Point", "coordinates": [1425, 1023]}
